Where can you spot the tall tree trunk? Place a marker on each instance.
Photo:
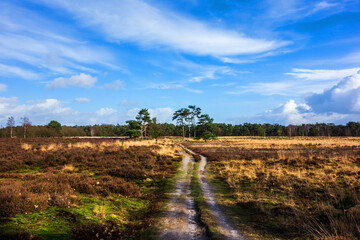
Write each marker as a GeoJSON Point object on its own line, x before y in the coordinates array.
{"type": "Point", "coordinates": [141, 131]}
{"type": "Point", "coordinates": [183, 131]}
{"type": "Point", "coordinates": [11, 132]}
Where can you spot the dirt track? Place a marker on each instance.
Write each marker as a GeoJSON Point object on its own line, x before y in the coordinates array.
{"type": "Point", "coordinates": [180, 221]}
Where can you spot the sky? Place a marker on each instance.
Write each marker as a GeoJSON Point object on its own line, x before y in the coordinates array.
{"type": "Point", "coordinates": [259, 61]}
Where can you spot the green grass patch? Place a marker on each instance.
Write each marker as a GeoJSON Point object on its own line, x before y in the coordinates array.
{"type": "Point", "coordinates": [48, 224]}
{"type": "Point", "coordinates": [28, 170]}
{"type": "Point", "coordinates": [56, 223]}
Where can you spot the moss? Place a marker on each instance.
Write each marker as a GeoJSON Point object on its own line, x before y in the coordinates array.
{"type": "Point", "coordinates": [56, 223]}
{"type": "Point", "coordinates": [48, 224]}
{"type": "Point", "coordinates": [28, 170]}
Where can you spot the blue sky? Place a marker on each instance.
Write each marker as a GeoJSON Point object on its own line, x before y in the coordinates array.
{"type": "Point", "coordinates": [92, 62]}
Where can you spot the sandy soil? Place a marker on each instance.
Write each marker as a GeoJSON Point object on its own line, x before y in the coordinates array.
{"type": "Point", "coordinates": [180, 219]}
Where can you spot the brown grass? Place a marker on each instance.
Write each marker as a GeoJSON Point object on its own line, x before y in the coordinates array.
{"type": "Point", "coordinates": [297, 185]}
{"type": "Point", "coordinates": [42, 173]}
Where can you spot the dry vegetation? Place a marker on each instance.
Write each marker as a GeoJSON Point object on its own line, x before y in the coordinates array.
{"type": "Point", "coordinates": [61, 188]}
{"type": "Point", "coordinates": [288, 188]}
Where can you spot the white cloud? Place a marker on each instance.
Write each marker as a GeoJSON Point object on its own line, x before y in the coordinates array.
{"type": "Point", "coordinates": [81, 80]}
{"type": "Point", "coordinates": [43, 111]}
{"type": "Point", "coordinates": [12, 71]}
{"type": "Point", "coordinates": [82, 100]}
{"type": "Point", "coordinates": [194, 90]}
{"type": "Point", "coordinates": [172, 86]}
{"type": "Point", "coordinates": [3, 87]}
{"type": "Point", "coordinates": [285, 88]}
{"type": "Point", "coordinates": [43, 44]}
{"type": "Point", "coordinates": [353, 57]}
{"type": "Point", "coordinates": [236, 60]}
{"type": "Point", "coordinates": [223, 84]}
{"type": "Point", "coordinates": [116, 85]}
{"type": "Point", "coordinates": [147, 25]}
{"type": "Point", "coordinates": [315, 81]}
{"type": "Point", "coordinates": [344, 97]}
{"type": "Point", "coordinates": [106, 111]}
{"type": "Point", "coordinates": [166, 86]}
{"type": "Point", "coordinates": [339, 104]}
{"type": "Point", "coordinates": [293, 113]}
{"type": "Point", "coordinates": [323, 5]}
{"type": "Point", "coordinates": [322, 74]}
{"type": "Point", "coordinates": [38, 111]}
{"type": "Point", "coordinates": [126, 103]}
{"type": "Point", "coordinates": [161, 114]}
{"type": "Point", "coordinates": [212, 72]}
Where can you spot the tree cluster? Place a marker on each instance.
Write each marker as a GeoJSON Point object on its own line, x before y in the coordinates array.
{"type": "Point", "coordinates": [188, 124]}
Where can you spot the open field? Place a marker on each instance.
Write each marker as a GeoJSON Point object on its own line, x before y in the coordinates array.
{"type": "Point", "coordinates": [287, 188]}
{"type": "Point", "coordinates": [61, 188]}
{"type": "Point", "coordinates": [110, 188]}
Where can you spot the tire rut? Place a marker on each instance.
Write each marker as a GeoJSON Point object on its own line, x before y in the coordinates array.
{"type": "Point", "coordinates": [227, 230]}
{"type": "Point", "coordinates": [180, 218]}
{"type": "Point", "coordinates": [179, 221]}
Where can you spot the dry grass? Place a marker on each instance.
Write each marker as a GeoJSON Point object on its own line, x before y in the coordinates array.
{"type": "Point", "coordinates": [88, 178]}
{"type": "Point", "coordinates": [291, 184]}
{"type": "Point", "coordinates": [166, 146]}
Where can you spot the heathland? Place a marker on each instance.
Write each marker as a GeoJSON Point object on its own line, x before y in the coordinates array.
{"type": "Point", "coordinates": [61, 188]}
{"type": "Point", "coordinates": [287, 188]}
{"type": "Point", "coordinates": [111, 188]}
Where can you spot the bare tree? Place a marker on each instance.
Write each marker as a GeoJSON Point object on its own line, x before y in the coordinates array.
{"type": "Point", "coordinates": [26, 124]}
{"type": "Point", "coordinates": [11, 123]}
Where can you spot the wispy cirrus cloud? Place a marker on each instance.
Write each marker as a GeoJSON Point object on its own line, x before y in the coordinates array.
{"type": "Point", "coordinates": [322, 74]}
{"type": "Point", "coordinates": [13, 71]}
{"type": "Point", "coordinates": [313, 81]}
{"type": "Point", "coordinates": [147, 25]}
{"type": "Point", "coordinates": [46, 46]}
{"type": "Point", "coordinates": [213, 72]}
{"type": "Point", "coordinates": [173, 86]}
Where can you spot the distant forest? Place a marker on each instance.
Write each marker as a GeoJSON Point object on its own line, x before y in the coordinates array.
{"type": "Point", "coordinates": [54, 129]}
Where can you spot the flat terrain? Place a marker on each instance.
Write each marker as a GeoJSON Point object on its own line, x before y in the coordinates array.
{"type": "Point", "coordinates": [60, 188]}
{"type": "Point", "coordinates": [287, 188]}
{"type": "Point", "coordinates": [237, 188]}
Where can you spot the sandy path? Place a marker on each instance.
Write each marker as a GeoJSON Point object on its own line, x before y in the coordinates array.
{"type": "Point", "coordinates": [224, 226]}
{"type": "Point", "coordinates": [180, 219]}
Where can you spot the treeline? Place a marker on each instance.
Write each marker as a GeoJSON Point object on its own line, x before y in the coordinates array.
{"type": "Point", "coordinates": [169, 129]}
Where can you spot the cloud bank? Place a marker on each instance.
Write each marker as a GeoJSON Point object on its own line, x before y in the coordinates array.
{"type": "Point", "coordinates": [338, 104]}
{"type": "Point", "coordinates": [43, 111]}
